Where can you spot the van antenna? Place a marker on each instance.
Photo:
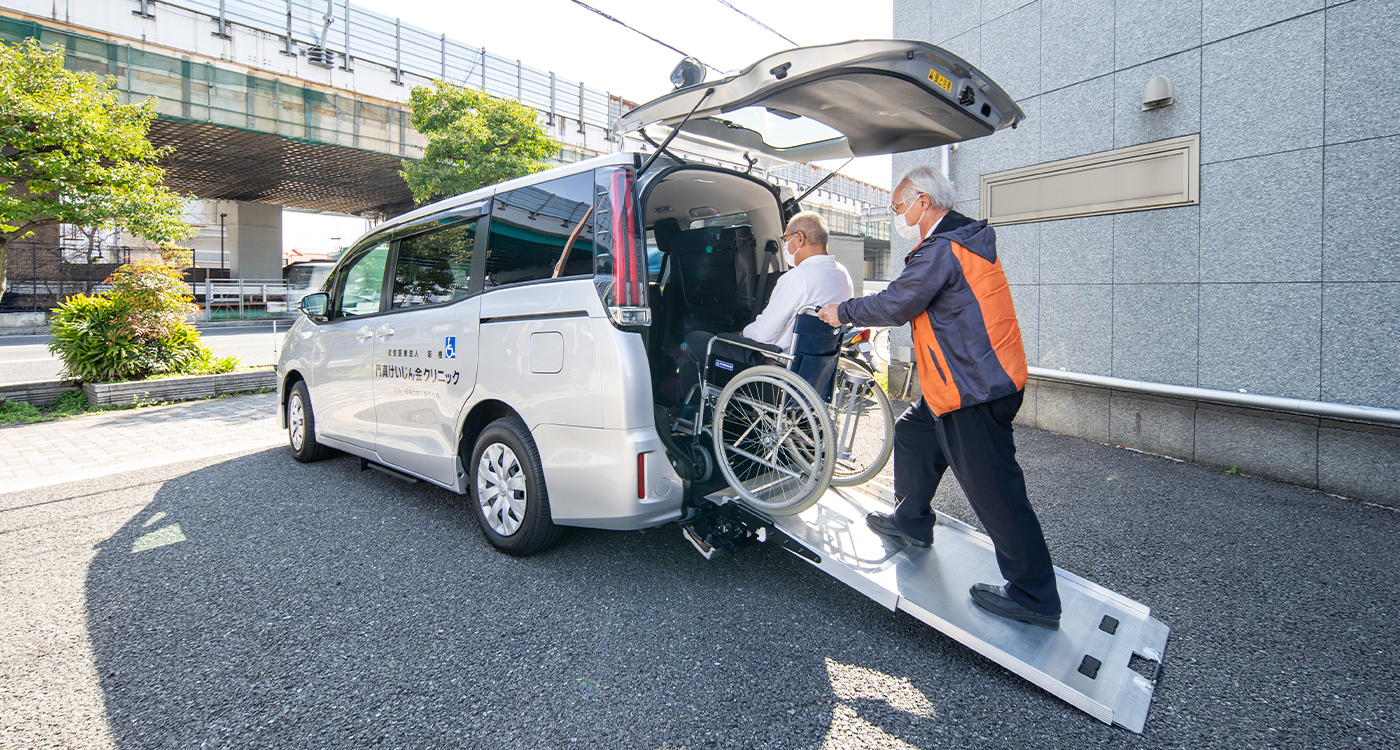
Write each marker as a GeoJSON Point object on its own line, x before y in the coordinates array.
{"type": "Point", "coordinates": [823, 180]}
{"type": "Point", "coordinates": [675, 131]}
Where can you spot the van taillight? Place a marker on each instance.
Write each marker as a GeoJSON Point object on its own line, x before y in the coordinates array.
{"type": "Point", "coordinates": [629, 301]}
{"type": "Point", "coordinates": [641, 476]}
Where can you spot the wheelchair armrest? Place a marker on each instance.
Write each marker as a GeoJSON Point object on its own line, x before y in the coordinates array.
{"type": "Point", "coordinates": [735, 338]}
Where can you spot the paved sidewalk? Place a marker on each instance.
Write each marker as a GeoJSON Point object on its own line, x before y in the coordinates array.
{"type": "Point", "coordinates": [65, 450]}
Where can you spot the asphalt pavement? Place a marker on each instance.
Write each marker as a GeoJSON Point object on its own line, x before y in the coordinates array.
{"type": "Point", "coordinates": [245, 600]}
{"type": "Point", "coordinates": [26, 358]}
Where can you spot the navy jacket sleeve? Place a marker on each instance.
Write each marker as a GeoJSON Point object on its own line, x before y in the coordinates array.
{"type": "Point", "coordinates": [926, 272]}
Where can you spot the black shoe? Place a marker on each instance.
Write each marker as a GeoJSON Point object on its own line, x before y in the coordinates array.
{"type": "Point", "coordinates": [994, 599]}
{"type": "Point", "coordinates": [883, 524]}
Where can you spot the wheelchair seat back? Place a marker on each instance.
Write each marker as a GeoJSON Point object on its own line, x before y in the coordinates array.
{"type": "Point", "coordinates": [816, 347]}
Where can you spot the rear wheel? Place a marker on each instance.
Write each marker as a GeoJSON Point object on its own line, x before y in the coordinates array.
{"type": "Point", "coordinates": [508, 492]}
{"type": "Point", "coordinates": [864, 422]}
{"type": "Point", "coordinates": [301, 426]}
{"type": "Point", "coordinates": [773, 440]}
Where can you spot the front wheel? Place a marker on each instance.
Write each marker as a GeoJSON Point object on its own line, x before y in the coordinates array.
{"type": "Point", "coordinates": [508, 492]}
{"type": "Point", "coordinates": [301, 426]}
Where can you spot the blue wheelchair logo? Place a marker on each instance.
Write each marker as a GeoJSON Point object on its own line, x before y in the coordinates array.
{"type": "Point", "coordinates": [450, 349]}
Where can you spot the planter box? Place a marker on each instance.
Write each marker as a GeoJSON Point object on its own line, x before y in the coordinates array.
{"type": "Point", "coordinates": [179, 389]}
{"type": "Point", "coordinates": [40, 393]}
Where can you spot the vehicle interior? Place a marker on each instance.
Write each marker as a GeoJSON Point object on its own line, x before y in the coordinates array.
{"type": "Point", "coordinates": [718, 236]}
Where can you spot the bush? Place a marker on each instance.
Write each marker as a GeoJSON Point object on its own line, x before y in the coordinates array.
{"type": "Point", "coordinates": [136, 330]}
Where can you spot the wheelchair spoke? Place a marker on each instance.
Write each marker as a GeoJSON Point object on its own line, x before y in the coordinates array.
{"type": "Point", "coordinates": [764, 462]}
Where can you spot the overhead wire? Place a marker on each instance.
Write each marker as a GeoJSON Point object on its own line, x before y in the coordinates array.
{"type": "Point", "coordinates": [624, 24]}
{"type": "Point", "coordinates": [730, 6]}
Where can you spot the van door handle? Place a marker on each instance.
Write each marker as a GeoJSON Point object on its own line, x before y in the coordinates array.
{"type": "Point", "coordinates": [364, 333]}
{"type": "Point", "coordinates": [385, 331]}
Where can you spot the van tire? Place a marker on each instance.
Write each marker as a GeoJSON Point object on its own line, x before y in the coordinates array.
{"type": "Point", "coordinates": [508, 451]}
{"type": "Point", "coordinates": [301, 427]}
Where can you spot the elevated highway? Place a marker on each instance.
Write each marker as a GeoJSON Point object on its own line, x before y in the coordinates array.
{"type": "Point", "coordinates": [300, 104]}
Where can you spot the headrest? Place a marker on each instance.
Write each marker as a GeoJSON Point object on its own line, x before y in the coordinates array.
{"type": "Point", "coordinates": [665, 230]}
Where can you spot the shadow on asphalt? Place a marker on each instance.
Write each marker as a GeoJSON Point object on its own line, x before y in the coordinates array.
{"type": "Point", "coordinates": [259, 602]}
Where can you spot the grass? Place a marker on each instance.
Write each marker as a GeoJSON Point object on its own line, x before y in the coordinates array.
{"type": "Point", "coordinates": [75, 404]}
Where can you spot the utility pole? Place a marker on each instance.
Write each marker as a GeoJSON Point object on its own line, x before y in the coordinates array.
{"type": "Point", "coordinates": [221, 240]}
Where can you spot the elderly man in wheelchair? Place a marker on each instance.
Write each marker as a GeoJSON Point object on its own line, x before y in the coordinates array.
{"type": "Point", "coordinates": [778, 410]}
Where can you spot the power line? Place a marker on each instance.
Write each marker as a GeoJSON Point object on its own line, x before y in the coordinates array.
{"type": "Point", "coordinates": [623, 24]}
{"type": "Point", "coordinates": [730, 6]}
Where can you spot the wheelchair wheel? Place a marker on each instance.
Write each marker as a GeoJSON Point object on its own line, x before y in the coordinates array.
{"type": "Point", "coordinates": [864, 423]}
{"type": "Point", "coordinates": [773, 440]}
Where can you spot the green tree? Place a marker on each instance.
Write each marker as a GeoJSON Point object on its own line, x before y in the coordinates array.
{"type": "Point", "coordinates": [71, 153]}
{"type": "Point", "coordinates": [474, 139]}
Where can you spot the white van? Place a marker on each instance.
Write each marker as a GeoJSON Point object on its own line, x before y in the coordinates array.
{"type": "Point", "coordinates": [510, 343]}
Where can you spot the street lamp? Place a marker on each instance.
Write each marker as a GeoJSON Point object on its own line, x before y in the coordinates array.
{"type": "Point", "coordinates": [221, 240]}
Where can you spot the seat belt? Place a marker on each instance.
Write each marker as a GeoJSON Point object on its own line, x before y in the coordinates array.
{"type": "Point", "coordinates": [769, 257]}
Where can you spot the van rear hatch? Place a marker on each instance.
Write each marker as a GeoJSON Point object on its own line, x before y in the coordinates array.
{"type": "Point", "coordinates": [858, 98]}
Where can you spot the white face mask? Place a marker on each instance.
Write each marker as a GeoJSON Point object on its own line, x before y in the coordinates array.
{"type": "Point", "coordinates": [789, 255]}
{"type": "Point", "coordinates": [906, 230]}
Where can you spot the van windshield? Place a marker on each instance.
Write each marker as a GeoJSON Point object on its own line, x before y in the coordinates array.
{"type": "Point", "coordinates": [728, 220]}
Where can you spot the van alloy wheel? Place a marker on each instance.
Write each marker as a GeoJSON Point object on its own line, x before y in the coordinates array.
{"type": "Point", "coordinates": [296, 421]}
{"type": "Point", "coordinates": [301, 426]}
{"type": "Point", "coordinates": [500, 488]}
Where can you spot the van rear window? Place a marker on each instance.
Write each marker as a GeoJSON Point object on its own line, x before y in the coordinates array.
{"type": "Point", "coordinates": [532, 227]}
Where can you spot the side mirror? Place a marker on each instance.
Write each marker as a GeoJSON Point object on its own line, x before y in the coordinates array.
{"type": "Point", "coordinates": [314, 305]}
{"type": "Point", "coordinates": [687, 72]}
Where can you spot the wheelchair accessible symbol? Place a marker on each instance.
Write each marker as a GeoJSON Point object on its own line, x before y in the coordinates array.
{"type": "Point", "coordinates": [450, 348]}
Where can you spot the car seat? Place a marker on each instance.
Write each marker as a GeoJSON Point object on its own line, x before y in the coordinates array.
{"type": "Point", "coordinates": [717, 274]}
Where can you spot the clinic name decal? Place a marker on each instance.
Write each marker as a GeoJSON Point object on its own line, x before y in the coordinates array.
{"type": "Point", "coordinates": [417, 374]}
{"type": "Point", "coordinates": [421, 374]}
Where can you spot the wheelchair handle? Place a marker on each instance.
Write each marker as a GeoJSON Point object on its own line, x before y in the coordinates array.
{"type": "Point", "coordinates": [814, 309]}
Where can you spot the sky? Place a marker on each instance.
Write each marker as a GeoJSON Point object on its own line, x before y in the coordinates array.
{"type": "Point", "coordinates": [577, 44]}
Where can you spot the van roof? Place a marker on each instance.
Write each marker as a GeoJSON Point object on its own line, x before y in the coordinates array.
{"type": "Point", "coordinates": [483, 193]}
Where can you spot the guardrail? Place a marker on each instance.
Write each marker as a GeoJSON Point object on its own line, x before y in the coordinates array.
{"type": "Point", "coordinates": [245, 298]}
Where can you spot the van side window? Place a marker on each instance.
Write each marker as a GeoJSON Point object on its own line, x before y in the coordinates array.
{"type": "Point", "coordinates": [434, 266]}
{"type": "Point", "coordinates": [531, 229]}
{"type": "Point", "coordinates": [360, 285]}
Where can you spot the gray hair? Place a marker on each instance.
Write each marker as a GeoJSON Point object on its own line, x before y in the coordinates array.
{"type": "Point", "coordinates": [812, 226]}
{"type": "Point", "coordinates": [929, 181]}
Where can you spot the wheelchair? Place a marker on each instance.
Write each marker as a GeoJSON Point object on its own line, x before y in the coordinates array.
{"type": "Point", "coordinates": [785, 430]}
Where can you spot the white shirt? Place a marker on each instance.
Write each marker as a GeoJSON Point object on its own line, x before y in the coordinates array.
{"type": "Point", "coordinates": [818, 280]}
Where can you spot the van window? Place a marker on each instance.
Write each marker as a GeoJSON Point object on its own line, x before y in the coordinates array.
{"type": "Point", "coordinates": [361, 283]}
{"type": "Point", "coordinates": [434, 266]}
{"type": "Point", "coordinates": [531, 226]}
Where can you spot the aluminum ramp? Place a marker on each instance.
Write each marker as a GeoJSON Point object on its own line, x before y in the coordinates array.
{"type": "Point", "coordinates": [1086, 663]}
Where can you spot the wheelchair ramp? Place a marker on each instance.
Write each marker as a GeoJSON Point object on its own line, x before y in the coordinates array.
{"type": "Point", "coordinates": [1104, 660]}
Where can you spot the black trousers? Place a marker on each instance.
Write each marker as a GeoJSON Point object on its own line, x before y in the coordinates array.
{"type": "Point", "coordinates": [976, 443]}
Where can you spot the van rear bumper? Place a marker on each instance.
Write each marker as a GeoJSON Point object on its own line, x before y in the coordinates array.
{"type": "Point", "coordinates": [591, 474]}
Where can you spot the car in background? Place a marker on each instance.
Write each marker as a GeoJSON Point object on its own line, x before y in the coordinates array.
{"type": "Point", "coordinates": [305, 277]}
